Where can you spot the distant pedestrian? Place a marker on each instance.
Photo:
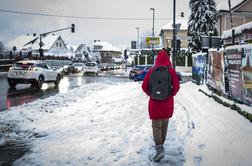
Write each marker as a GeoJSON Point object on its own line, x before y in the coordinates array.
{"type": "Point", "coordinates": [161, 110]}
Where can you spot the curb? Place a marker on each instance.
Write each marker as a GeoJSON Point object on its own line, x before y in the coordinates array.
{"type": "Point", "coordinates": [245, 114]}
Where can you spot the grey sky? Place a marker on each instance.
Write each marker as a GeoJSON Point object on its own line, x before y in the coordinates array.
{"type": "Point", "coordinates": [117, 32]}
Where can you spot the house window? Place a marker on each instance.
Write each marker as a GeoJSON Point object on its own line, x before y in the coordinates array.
{"type": "Point", "coordinates": [59, 44]}
{"type": "Point", "coordinates": [56, 44]}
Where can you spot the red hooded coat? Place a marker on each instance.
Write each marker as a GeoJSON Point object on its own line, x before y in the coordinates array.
{"type": "Point", "coordinates": [161, 109]}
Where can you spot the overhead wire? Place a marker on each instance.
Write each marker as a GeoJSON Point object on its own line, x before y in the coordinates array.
{"type": "Point", "coordinates": [81, 17]}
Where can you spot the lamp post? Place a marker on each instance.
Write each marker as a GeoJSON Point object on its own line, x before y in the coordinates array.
{"type": "Point", "coordinates": [174, 35]}
{"type": "Point", "coordinates": [138, 44]}
{"type": "Point", "coordinates": [153, 34]}
{"type": "Point", "coordinates": [153, 21]}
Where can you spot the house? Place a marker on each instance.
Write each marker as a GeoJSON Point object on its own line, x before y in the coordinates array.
{"type": "Point", "coordinates": [53, 45]}
{"type": "Point", "coordinates": [241, 14]}
{"type": "Point", "coordinates": [167, 33]}
{"type": "Point", "coordinates": [242, 35]}
{"type": "Point", "coordinates": [79, 53]}
{"type": "Point", "coordinates": [108, 53]}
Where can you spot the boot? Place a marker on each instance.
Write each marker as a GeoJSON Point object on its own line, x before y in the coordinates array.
{"type": "Point", "coordinates": [159, 153]}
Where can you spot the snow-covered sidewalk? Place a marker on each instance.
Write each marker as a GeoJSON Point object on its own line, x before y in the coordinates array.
{"type": "Point", "coordinates": [107, 124]}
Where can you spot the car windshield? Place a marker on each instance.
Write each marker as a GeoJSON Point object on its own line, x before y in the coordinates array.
{"type": "Point", "coordinates": [90, 64]}
{"type": "Point", "coordinates": [58, 63]}
{"type": "Point", "coordinates": [78, 64]}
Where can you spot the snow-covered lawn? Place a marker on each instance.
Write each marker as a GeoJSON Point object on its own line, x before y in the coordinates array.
{"type": "Point", "coordinates": [107, 124]}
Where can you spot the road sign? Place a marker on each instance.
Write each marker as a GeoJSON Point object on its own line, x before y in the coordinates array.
{"type": "Point", "coordinates": [133, 44]}
{"type": "Point", "coordinates": [152, 40]}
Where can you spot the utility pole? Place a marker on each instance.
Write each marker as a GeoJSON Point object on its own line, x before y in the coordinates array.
{"type": "Point", "coordinates": [153, 33]}
{"type": "Point", "coordinates": [138, 44]}
{"type": "Point", "coordinates": [232, 26]}
{"type": "Point", "coordinates": [174, 35]}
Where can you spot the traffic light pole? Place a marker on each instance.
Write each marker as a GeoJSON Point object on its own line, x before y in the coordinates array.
{"type": "Point", "coordinates": [41, 52]}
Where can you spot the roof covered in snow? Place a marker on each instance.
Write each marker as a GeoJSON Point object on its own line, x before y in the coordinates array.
{"type": "Point", "coordinates": [105, 46]}
{"type": "Point", "coordinates": [20, 41]}
{"type": "Point", "coordinates": [238, 30]}
{"type": "Point", "coordinates": [223, 5]}
{"type": "Point", "coordinates": [72, 48]}
{"type": "Point", "coordinates": [182, 21]}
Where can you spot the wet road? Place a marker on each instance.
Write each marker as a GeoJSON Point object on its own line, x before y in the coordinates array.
{"type": "Point", "coordinates": [24, 93]}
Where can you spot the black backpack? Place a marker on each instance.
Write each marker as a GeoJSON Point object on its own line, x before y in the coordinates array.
{"type": "Point", "coordinates": [160, 83]}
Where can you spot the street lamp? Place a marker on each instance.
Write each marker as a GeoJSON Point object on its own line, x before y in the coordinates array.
{"type": "Point", "coordinates": [174, 36]}
{"type": "Point", "coordinates": [153, 21]}
{"type": "Point", "coordinates": [153, 33]}
{"type": "Point", "coordinates": [138, 44]}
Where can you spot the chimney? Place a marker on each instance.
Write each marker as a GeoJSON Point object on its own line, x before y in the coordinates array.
{"type": "Point", "coordinates": [34, 34]}
{"type": "Point", "coordinates": [27, 34]}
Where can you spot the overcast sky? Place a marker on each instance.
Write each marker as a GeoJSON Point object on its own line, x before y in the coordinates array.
{"type": "Point", "coordinates": [117, 32]}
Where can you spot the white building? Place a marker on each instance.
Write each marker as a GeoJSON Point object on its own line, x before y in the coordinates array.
{"type": "Point", "coordinates": [79, 52]}
{"type": "Point", "coordinates": [108, 53]}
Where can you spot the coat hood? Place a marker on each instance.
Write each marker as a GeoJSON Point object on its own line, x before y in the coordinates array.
{"type": "Point", "coordinates": [163, 59]}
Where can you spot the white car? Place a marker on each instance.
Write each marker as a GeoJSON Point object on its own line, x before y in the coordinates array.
{"type": "Point", "coordinates": [78, 67]}
{"type": "Point", "coordinates": [32, 72]}
{"type": "Point", "coordinates": [91, 68]}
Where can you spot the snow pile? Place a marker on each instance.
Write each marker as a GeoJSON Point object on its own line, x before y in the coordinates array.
{"type": "Point", "coordinates": [99, 124]}
{"type": "Point", "coordinates": [216, 135]}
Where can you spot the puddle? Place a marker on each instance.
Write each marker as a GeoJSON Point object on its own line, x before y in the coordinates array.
{"type": "Point", "coordinates": [12, 151]}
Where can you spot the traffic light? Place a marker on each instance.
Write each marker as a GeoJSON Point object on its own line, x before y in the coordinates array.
{"type": "Point", "coordinates": [181, 14]}
{"type": "Point", "coordinates": [125, 54]}
{"type": "Point", "coordinates": [72, 28]}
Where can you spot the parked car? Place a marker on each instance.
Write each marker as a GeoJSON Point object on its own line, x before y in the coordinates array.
{"type": "Point", "coordinates": [78, 67]}
{"type": "Point", "coordinates": [91, 68]}
{"type": "Point", "coordinates": [179, 75]}
{"type": "Point", "coordinates": [104, 66]}
{"type": "Point", "coordinates": [139, 71]}
{"type": "Point", "coordinates": [32, 72]}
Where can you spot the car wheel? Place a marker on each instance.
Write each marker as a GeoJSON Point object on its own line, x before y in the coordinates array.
{"type": "Point", "coordinates": [12, 83]}
{"type": "Point", "coordinates": [40, 82]}
{"type": "Point", "coordinates": [56, 82]}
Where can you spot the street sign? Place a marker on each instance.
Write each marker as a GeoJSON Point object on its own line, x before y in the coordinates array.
{"type": "Point", "coordinates": [177, 27]}
{"type": "Point", "coordinates": [152, 40]}
{"type": "Point", "coordinates": [133, 44]}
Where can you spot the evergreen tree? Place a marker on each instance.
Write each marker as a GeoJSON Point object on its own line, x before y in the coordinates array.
{"type": "Point", "coordinates": [202, 20]}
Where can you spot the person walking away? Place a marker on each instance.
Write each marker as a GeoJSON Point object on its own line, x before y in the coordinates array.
{"type": "Point", "coordinates": [161, 110]}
